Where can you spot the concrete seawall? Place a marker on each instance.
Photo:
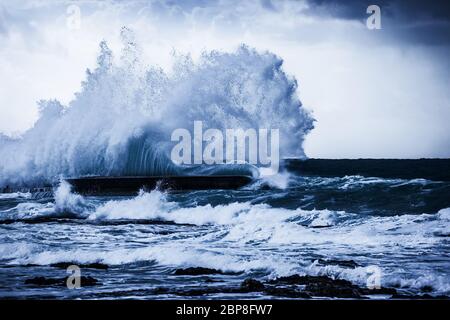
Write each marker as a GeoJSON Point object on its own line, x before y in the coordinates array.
{"type": "Point", "coordinates": [132, 185]}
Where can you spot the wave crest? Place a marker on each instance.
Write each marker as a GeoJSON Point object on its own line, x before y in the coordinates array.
{"type": "Point", "coordinates": [121, 121]}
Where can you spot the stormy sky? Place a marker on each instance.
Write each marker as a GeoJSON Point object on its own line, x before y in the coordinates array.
{"type": "Point", "coordinates": [374, 93]}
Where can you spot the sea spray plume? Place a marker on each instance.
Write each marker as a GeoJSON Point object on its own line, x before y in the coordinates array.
{"type": "Point", "coordinates": [104, 131]}
{"type": "Point", "coordinates": [244, 89]}
{"type": "Point", "coordinates": [68, 202]}
{"type": "Point", "coordinates": [121, 121]}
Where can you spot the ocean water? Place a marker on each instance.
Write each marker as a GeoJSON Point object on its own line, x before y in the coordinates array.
{"type": "Point", "coordinates": [120, 123]}
{"type": "Point", "coordinates": [278, 226]}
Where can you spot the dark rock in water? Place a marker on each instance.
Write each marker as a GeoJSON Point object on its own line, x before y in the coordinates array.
{"type": "Point", "coordinates": [382, 290]}
{"type": "Point", "coordinates": [43, 281]}
{"type": "Point", "coordinates": [160, 290]}
{"type": "Point", "coordinates": [294, 286]}
{"type": "Point", "coordinates": [95, 265]}
{"type": "Point", "coordinates": [252, 285]}
{"type": "Point", "coordinates": [426, 289]}
{"type": "Point", "coordinates": [266, 187]}
{"type": "Point", "coordinates": [195, 271]}
{"type": "Point", "coordinates": [341, 263]}
{"type": "Point", "coordinates": [322, 286]}
{"type": "Point", "coordinates": [210, 280]}
{"type": "Point", "coordinates": [287, 292]}
{"type": "Point", "coordinates": [419, 297]}
{"type": "Point", "coordinates": [333, 289]}
{"type": "Point", "coordinates": [88, 281]}
{"type": "Point", "coordinates": [302, 280]}
{"type": "Point", "coordinates": [203, 291]}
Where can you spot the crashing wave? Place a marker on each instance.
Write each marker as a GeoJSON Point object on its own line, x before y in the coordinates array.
{"type": "Point", "coordinates": [121, 121]}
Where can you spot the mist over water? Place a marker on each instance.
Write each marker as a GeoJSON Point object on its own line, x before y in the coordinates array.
{"type": "Point", "coordinates": [121, 121]}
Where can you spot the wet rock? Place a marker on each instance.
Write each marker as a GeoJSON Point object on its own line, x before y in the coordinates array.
{"type": "Point", "coordinates": [333, 289]}
{"type": "Point", "coordinates": [426, 289]}
{"type": "Point", "coordinates": [195, 271]}
{"type": "Point", "coordinates": [95, 265]}
{"type": "Point", "coordinates": [266, 187]}
{"type": "Point", "coordinates": [294, 286]}
{"type": "Point", "coordinates": [204, 291]}
{"type": "Point", "coordinates": [304, 280]}
{"type": "Point", "coordinates": [210, 280]}
{"type": "Point", "coordinates": [287, 292]}
{"type": "Point", "coordinates": [88, 281]}
{"type": "Point", "coordinates": [43, 281]}
{"type": "Point", "coordinates": [252, 285]}
{"type": "Point", "coordinates": [341, 263]}
{"type": "Point", "coordinates": [160, 290]}
{"type": "Point", "coordinates": [323, 286]}
{"type": "Point", "coordinates": [419, 297]}
{"type": "Point", "coordinates": [382, 290]}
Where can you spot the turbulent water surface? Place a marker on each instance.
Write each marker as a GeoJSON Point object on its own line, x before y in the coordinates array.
{"type": "Point", "coordinates": [120, 123]}
{"type": "Point", "coordinates": [280, 226]}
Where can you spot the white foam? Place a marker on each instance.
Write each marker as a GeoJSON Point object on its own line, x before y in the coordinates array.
{"type": "Point", "coordinates": [277, 180]}
{"type": "Point", "coordinates": [28, 210]}
{"type": "Point", "coordinates": [65, 200]}
{"type": "Point", "coordinates": [245, 237]}
{"type": "Point", "coordinates": [14, 195]}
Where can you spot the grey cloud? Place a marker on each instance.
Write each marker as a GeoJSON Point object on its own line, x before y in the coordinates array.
{"type": "Point", "coordinates": [401, 10]}
{"type": "Point", "coordinates": [425, 22]}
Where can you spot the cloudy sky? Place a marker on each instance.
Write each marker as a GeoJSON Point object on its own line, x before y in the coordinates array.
{"type": "Point", "coordinates": [374, 93]}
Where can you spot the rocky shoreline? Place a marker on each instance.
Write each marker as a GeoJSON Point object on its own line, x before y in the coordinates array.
{"type": "Point", "coordinates": [291, 287]}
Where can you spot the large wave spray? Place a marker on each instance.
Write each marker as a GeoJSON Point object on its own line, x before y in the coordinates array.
{"type": "Point", "coordinates": [121, 121]}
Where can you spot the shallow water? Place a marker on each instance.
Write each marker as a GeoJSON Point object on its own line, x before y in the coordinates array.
{"type": "Point", "coordinates": [276, 227]}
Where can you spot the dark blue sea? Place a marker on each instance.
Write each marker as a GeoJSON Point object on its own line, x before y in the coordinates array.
{"type": "Point", "coordinates": [349, 227]}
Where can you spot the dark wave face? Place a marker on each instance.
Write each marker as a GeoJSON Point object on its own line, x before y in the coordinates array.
{"type": "Point", "coordinates": [373, 196]}
{"type": "Point", "coordinates": [143, 246]}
